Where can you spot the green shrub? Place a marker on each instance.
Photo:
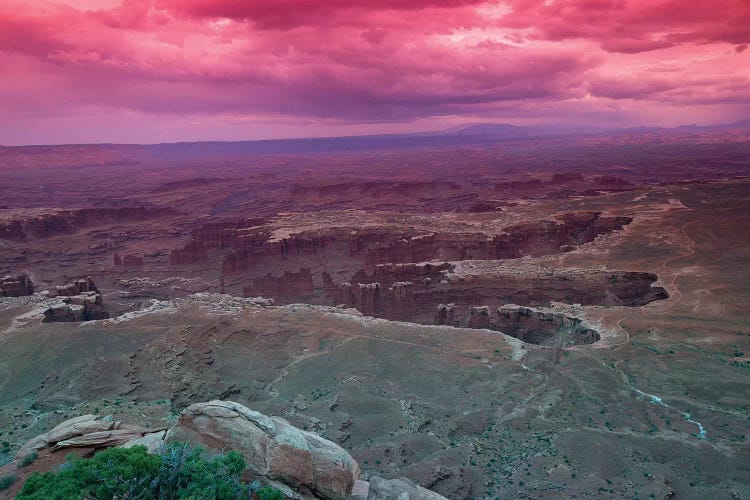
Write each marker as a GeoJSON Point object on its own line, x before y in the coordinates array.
{"type": "Point", "coordinates": [7, 481]}
{"type": "Point", "coordinates": [269, 493]}
{"type": "Point", "coordinates": [28, 459]}
{"type": "Point", "coordinates": [180, 471]}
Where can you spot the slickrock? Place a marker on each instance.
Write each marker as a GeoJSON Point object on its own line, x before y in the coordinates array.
{"type": "Point", "coordinates": [104, 439]}
{"type": "Point", "coordinates": [74, 427]}
{"type": "Point", "coordinates": [272, 447]}
{"type": "Point", "coordinates": [399, 489]}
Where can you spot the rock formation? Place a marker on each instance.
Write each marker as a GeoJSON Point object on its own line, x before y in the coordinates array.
{"type": "Point", "coordinates": [81, 300]}
{"type": "Point", "coordinates": [396, 489]}
{"type": "Point", "coordinates": [542, 327]}
{"type": "Point", "coordinates": [16, 286]}
{"type": "Point", "coordinates": [91, 431]}
{"type": "Point", "coordinates": [444, 315]}
{"type": "Point", "coordinates": [416, 300]}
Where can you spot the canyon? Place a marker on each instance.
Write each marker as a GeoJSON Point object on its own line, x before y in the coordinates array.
{"type": "Point", "coordinates": [524, 317]}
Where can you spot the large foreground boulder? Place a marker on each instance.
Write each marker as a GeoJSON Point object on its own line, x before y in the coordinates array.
{"type": "Point", "coordinates": [272, 447]}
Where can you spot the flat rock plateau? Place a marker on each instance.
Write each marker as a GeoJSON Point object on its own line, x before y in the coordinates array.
{"type": "Point", "coordinates": [559, 317]}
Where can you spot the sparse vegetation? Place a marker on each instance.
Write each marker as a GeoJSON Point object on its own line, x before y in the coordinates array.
{"type": "Point", "coordinates": [28, 459]}
{"type": "Point", "coordinates": [7, 481]}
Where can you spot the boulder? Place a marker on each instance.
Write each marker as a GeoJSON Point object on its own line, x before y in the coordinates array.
{"type": "Point", "coordinates": [272, 447]}
{"type": "Point", "coordinates": [153, 441]}
{"type": "Point", "coordinates": [398, 489]}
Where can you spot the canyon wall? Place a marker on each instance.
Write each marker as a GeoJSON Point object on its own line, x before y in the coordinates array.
{"type": "Point", "coordinates": [22, 226]}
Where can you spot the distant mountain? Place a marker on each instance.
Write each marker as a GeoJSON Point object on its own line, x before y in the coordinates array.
{"type": "Point", "coordinates": [506, 130]}
{"type": "Point", "coordinates": [738, 124]}
{"type": "Point", "coordinates": [475, 133]}
{"type": "Point", "coordinates": [495, 129]}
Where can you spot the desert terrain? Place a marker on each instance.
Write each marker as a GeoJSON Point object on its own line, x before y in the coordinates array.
{"type": "Point", "coordinates": [491, 317]}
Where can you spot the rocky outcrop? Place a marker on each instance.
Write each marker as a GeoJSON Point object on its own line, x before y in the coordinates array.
{"type": "Point", "coordinates": [153, 441]}
{"type": "Point", "coordinates": [73, 288]}
{"type": "Point", "coordinates": [396, 489]}
{"type": "Point", "coordinates": [539, 238]}
{"type": "Point", "coordinates": [272, 447]}
{"type": "Point", "coordinates": [16, 286]}
{"type": "Point", "coordinates": [365, 297]}
{"type": "Point", "coordinates": [525, 323]}
{"type": "Point", "coordinates": [417, 300]}
{"type": "Point", "coordinates": [543, 327]}
{"type": "Point", "coordinates": [80, 300]}
{"type": "Point", "coordinates": [90, 431]}
{"type": "Point", "coordinates": [445, 315]}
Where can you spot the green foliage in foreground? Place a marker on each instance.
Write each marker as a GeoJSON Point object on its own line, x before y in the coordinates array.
{"type": "Point", "coordinates": [180, 471]}
{"type": "Point", "coordinates": [268, 493]}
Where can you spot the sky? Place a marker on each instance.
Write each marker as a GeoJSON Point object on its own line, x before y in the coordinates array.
{"type": "Point", "coordinates": [145, 71]}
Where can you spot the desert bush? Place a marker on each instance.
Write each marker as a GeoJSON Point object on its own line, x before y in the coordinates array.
{"type": "Point", "coordinates": [179, 471]}
{"type": "Point", "coordinates": [28, 459]}
{"type": "Point", "coordinates": [7, 481]}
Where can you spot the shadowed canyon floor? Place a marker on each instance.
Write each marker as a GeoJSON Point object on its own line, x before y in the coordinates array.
{"type": "Point", "coordinates": [485, 329]}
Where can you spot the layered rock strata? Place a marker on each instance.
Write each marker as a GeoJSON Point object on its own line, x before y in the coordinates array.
{"type": "Point", "coordinates": [80, 300]}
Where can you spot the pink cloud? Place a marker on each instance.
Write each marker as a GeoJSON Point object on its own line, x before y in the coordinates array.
{"type": "Point", "coordinates": [367, 61]}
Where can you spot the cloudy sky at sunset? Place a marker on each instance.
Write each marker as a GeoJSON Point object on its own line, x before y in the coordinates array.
{"type": "Point", "coordinates": [171, 70]}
